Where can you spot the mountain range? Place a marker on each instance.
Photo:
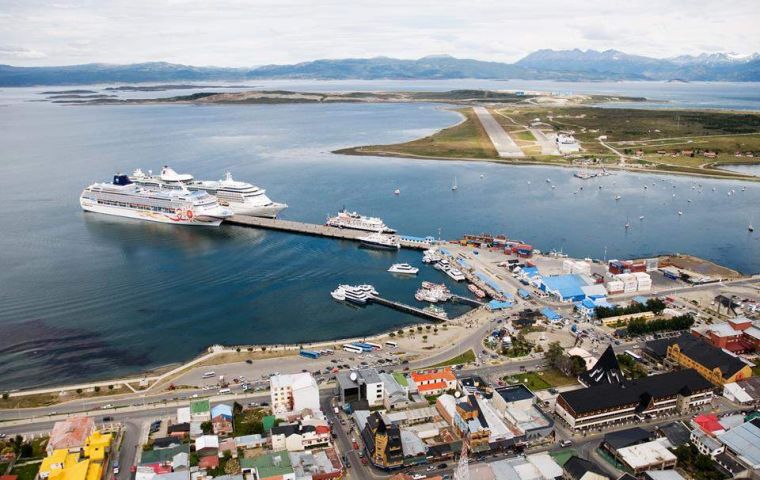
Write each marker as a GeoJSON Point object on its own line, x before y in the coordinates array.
{"type": "Point", "coordinates": [569, 65]}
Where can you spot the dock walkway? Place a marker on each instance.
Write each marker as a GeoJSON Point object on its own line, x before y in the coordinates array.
{"type": "Point", "coordinates": [502, 142]}
{"type": "Point", "coordinates": [402, 307]}
{"type": "Point", "coordinates": [311, 229]}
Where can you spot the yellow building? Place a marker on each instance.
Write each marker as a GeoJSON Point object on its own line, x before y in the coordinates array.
{"type": "Point", "coordinates": [711, 362]}
{"type": "Point", "coordinates": [85, 465]}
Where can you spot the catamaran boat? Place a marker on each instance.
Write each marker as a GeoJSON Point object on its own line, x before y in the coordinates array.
{"type": "Point", "coordinates": [431, 256]}
{"type": "Point", "coordinates": [436, 311]}
{"type": "Point", "coordinates": [403, 268]}
{"type": "Point", "coordinates": [241, 197]}
{"type": "Point", "coordinates": [379, 241]}
{"type": "Point", "coordinates": [354, 221]}
{"type": "Point", "coordinates": [123, 198]}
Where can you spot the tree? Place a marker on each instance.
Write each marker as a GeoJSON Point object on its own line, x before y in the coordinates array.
{"type": "Point", "coordinates": [5, 395]}
{"type": "Point", "coordinates": [110, 387]}
{"type": "Point", "coordinates": [97, 389]}
{"type": "Point", "coordinates": [237, 408]}
{"type": "Point", "coordinates": [577, 365]}
{"type": "Point", "coordinates": [232, 467]}
{"type": "Point", "coordinates": [27, 450]}
{"type": "Point", "coordinates": [207, 428]}
{"type": "Point", "coordinates": [554, 352]}
{"type": "Point", "coordinates": [237, 349]}
{"type": "Point", "coordinates": [392, 334]}
{"type": "Point", "coordinates": [79, 391]}
{"type": "Point", "coordinates": [424, 338]}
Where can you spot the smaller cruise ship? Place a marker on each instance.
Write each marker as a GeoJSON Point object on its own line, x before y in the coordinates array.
{"type": "Point", "coordinates": [379, 241]}
{"type": "Point", "coordinates": [123, 198]}
{"type": "Point", "coordinates": [360, 294]}
{"type": "Point", "coordinates": [403, 268]}
{"type": "Point", "coordinates": [241, 197]}
{"type": "Point", "coordinates": [354, 221]}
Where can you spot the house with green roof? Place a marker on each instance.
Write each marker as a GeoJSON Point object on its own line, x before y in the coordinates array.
{"type": "Point", "coordinates": [268, 467]}
{"type": "Point", "coordinates": [200, 411]}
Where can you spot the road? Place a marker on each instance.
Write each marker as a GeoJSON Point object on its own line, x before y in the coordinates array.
{"type": "Point", "coordinates": [502, 142]}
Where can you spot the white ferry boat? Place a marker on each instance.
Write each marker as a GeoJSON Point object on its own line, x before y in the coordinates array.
{"type": "Point", "coordinates": [403, 268]}
{"type": "Point", "coordinates": [241, 197]}
{"type": "Point", "coordinates": [360, 294]}
{"type": "Point", "coordinates": [379, 241]}
{"type": "Point", "coordinates": [126, 199]}
{"type": "Point", "coordinates": [354, 221]}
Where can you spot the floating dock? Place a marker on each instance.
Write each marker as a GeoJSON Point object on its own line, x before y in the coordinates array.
{"type": "Point", "coordinates": [316, 230]}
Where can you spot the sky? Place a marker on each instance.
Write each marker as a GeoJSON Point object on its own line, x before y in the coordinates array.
{"type": "Point", "coordinates": [238, 33]}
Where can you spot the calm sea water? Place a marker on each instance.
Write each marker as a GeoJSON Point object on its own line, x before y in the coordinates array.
{"type": "Point", "coordinates": [86, 296]}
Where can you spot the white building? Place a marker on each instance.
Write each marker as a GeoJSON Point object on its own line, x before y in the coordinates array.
{"type": "Point", "coordinates": [293, 393]}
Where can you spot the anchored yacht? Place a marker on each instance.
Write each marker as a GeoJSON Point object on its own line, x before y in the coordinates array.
{"type": "Point", "coordinates": [241, 197]}
{"type": "Point", "coordinates": [354, 221]}
{"type": "Point", "coordinates": [359, 294]}
{"type": "Point", "coordinates": [403, 268]}
{"type": "Point", "coordinates": [123, 198]}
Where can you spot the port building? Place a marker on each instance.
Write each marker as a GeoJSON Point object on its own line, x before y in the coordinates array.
{"type": "Point", "coordinates": [633, 400]}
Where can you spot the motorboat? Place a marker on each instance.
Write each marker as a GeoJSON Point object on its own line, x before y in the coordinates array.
{"type": "Point", "coordinates": [403, 268]}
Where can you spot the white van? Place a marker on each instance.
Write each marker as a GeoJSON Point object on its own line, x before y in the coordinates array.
{"type": "Point", "coordinates": [209, 374]}
{"type": "Point", "coordinates": [225, 391]}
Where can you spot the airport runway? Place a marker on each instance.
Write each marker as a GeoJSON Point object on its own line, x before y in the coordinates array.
{"type": "Point", "coordinates": [502, 142]}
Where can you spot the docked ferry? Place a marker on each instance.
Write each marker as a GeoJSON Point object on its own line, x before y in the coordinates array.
{"type": "Point", "coordinates": [379, 241]}
{"type": "Point", "coordinates": [354, 221]}
{"type": "Point", "coordinates": [123, 198]}
{"type": "Point", "coordinates": [241, 197]}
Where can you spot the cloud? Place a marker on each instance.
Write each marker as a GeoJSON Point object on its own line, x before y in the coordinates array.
{"type": "Point", "coordinates": [20, 53]}
{"type": "Point", "coordinates": [256, 32]}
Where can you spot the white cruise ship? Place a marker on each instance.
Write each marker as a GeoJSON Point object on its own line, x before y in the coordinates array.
{"type": "Point", "coordinates": [178, 206]}
{"type": "Point", "coordinates": [241, 197]}
{"type": "Point", "coordinates": [354, 221]}
{"type": "Point", "coordinates": [360, 294]}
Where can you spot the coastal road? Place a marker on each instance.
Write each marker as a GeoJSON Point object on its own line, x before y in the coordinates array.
{"type": "Point", "coordinates": [502, 142]}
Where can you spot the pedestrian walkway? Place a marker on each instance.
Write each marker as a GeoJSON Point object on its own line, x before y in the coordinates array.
{"type": "Point", "coordinates": [502, 142]}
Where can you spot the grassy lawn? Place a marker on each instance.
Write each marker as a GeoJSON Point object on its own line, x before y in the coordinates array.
{"type": "Point", "coordinates": [524, 135]}
{"type": "Point", "coordinates": [562, 456]}
{"type": "Point", "coordinates": [27, 471]}
{"type": "Point", "coordinates": [541, 380]}
{"type": "Point", "coordinates": [466, 357]}
{"type": "Point", "coordinates": [468, 139]}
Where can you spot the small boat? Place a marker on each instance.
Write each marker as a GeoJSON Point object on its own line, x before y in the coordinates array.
{"type": "Point", "coordinates": [397, 192]}
{"type": "Point", "coordinates": [548, 180]}
{"type": "Point", "coordinates": [481, 175]}
{"type": "Point", "coordinates": [680, 212]}
{"type": "Point", "coordinates": [472, 288]}
{"type": "Point", "coordinates": [454, 184]}
{"type": "Point", "coordinates": [641, 217]}
{"type": "Point", "coordinates": [428, 284]}
{"type": "Point", "coordinates": [480, 293]}
{"type": "Point", "coordinates": [436, 311]}
{"type": "Point", "coordinates": [618, 197]}
{"type": "Point", "coordinates": [403, 268]}
{"type": "Point", "coordinates": [627, 225]}
{"type": "Point", "coordinates": [750, 228]}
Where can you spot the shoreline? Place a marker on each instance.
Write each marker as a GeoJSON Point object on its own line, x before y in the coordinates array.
{"type": "Point", "coordinates": [356, 151]}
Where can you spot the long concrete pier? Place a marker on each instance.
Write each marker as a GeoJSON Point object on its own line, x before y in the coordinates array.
{"type": "Point", "coordinates": [313, 229]}
{"type": "Point", "coordinates": [402, 307]}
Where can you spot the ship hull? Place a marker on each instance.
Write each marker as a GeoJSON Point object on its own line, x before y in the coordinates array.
{"type": "Point", "coordinates": [199, 220]}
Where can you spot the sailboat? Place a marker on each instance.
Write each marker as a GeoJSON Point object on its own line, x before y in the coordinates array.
{"type": "Point", "coordinates": [397, 192]}
{"type": "Point", "coordinates": [627, 223]}
{"type": "Point", "coordinates": [750, 227]}
{"type": "Point", "coordinates": [454, 184]}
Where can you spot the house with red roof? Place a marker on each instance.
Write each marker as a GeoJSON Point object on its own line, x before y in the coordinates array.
{"type": "Point", "coordinates": [434, 382]}
{"type": "Point", "coordinates": [709, 424]}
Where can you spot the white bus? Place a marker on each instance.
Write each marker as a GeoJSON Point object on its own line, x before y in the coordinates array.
{"type": "Point", "coordinates": [352, 348]}
{"type": "Point", "coordinates": [391, 344]}
{"type": "Point", "coordinates": [376, 346]}
{"type": "Point", "coordinates": [224, 391]}
{"type": "Point", "coordinates": [209, 374]}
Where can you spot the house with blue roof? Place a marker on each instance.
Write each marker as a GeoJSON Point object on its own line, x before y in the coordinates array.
{"type": "Point", "coordinates": [221, 409]}
{"type": "Point", "coordinates": [550, 314]}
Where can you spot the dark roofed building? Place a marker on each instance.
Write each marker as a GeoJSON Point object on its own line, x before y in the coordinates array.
{"type": "Point", "coordinates": [711, 362]}
{"type": "Point", "coordinates": [605, 404]}
{"type": "Point", "coordinates": [383, 443]}
{"type": "Point", "coordinates": [605, 370]}
{"type": "Point", "coordinates": [677, 433]}
{"type": "Point", "coordinates": [626, 438]}
{"type": "Point", "coordinates": [576, 467]}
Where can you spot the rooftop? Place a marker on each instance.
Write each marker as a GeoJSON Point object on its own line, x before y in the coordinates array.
{"type": "Point", "coordinates": [442, 374]}
{"type": "Point", "coordinates": [744, 441]}
{"type": "Point", "coordinates": [272, 465]}
{"type": "Point", "coordinates": [700, 351]}
{"type": "Point", "coordinates": [626, 438]}
{"type": "Point", "coordinates": [644, 454]}
{"type": "Point", "coordinates": [629, 392]}
{"type": "Point", "coordinates": [515, 393]}
{"type": "Point", "coordinates": [70, 433]}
